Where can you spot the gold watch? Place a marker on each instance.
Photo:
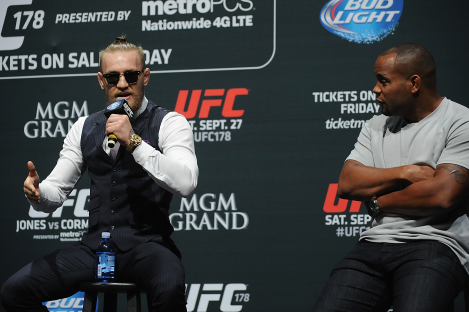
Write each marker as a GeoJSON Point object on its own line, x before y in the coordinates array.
{"type": "Point", "coordinates": [135, 141]}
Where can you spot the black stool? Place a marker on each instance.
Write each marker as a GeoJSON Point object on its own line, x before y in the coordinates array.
{"type": "Point", "coordinates": [110, 291]}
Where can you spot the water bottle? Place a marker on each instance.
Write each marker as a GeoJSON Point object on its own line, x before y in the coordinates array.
{"type": "Point", "coordinates": [105, 260]}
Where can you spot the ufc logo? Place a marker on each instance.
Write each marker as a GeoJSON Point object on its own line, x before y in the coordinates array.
{"type": "Point", "coordinates": [331, 207]}
{"type": "Point", "coordinates": [211, 98]}
{"type": "Point", "coordinates": [213, 293]}
{"type": "Point", "coordinates": [10, 43]}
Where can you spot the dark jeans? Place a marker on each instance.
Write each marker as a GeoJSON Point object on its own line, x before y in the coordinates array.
{"type": "Point", "coordinates": [57, 275]}
{"type": "Point", "coordinates": [415, 276]}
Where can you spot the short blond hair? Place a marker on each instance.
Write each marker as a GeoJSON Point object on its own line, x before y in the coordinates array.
{"type": "Point", "coordinates": [120, 44]}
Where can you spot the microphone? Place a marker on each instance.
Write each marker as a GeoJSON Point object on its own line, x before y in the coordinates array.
{"type": "Point", "coordinates": [121, 107]}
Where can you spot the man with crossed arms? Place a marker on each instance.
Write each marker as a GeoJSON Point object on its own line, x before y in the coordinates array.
{"type": "Point", "coordinates": [410, 167]}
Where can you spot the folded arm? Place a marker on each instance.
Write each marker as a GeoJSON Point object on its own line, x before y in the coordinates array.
{"type": "Point", "coordinates": [446, 189]}
{"type": "Point", "coordinates": [360, 182]}
{"type": "Point", "coordinates": [176, 168]}
{"type": "Point", "coordinates": [360, 179]}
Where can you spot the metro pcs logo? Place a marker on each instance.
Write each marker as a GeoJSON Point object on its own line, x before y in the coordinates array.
{"type": "Point", "coordinates": [170, 7]}
{"type": "Point", "coordinates": [361, 21]}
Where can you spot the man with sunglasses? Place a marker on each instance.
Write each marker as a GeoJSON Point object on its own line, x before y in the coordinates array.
{"type": "Point", "coordinates": [131, 189]}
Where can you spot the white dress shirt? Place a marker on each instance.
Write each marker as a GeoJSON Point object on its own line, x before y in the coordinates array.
{"type": "Point", "coordinates": [175, 169]}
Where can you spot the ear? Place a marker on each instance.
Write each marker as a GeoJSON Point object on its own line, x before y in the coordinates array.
{"type": "Point", "coordinates": [101, 80]}
{"type": "Point", "coordinates": [415, 81]}
{"type": "Point", "coordinates": [146, 76]}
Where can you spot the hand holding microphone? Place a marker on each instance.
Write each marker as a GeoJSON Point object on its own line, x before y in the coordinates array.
{"type": "Point", "coordinates": [119, 107]}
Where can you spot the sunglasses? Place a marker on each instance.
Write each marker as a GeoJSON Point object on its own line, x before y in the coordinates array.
{"type": "Point", "coordinates": [130, 76]}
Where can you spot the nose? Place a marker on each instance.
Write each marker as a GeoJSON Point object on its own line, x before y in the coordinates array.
{"type": "Point", "coordinates": [376, 89]}
{"type": "Point", "coordinates": [122, 84]}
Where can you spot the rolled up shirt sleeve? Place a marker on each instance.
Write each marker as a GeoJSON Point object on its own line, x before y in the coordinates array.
{"type": "Point", "coordinates": [362, 151]}
{"type": "Point", "coordinates": [175, 168]}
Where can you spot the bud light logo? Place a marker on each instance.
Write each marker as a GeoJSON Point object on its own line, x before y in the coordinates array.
{"type": "Point", "coordinates": [71, 304]}
{"type": "Point", "coordinates": [361, 21]}
{"type": "Point", "coordinates": [113, 106]}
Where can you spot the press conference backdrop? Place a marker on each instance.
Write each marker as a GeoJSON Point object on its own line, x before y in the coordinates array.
{"type": "Point", "coordinates": [276, 93]}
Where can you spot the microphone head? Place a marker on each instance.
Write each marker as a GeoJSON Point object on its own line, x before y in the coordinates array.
{"type": "Point", "coordinates": [121, 107]}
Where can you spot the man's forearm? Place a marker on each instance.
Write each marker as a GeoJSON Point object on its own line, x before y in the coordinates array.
{"type": "Point", "coordinates": [52, 198]}
{"type": "Point", "coordinates": [359, 182]}
{"type": "Point", "coordinates": [176, 172]}
{"type": "Point", "coordinates": [429, 197]}
{"type": "Point", "coordinates": [420, 199]}
{"type": "Point", "coordinates": [175, 169]}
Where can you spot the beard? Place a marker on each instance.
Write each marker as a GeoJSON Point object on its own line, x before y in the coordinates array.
{"type": "Point", "coordinates": [135, 100]}
{"type": "Point", "coordinates": [385, 111]}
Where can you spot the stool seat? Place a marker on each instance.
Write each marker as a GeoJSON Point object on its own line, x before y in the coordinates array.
{"type": "Point", "coordinates": [110, 291]}
{"type": "Point", "coordinates": [109, 287]}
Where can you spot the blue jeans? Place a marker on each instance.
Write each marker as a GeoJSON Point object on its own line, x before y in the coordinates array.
{"type": "Point", "coordinates": [414, 276]}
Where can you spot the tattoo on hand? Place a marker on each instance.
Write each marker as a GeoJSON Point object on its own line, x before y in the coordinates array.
{"type": "Point", "coordinates": [131, 132]}
{"type": "Point", "coordinates": [461, 174]}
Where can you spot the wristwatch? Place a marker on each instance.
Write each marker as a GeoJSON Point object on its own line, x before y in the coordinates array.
{"type": "Point", "coordinates": [135, 141]}
{"type": "Point", "coordinates": [374, 205]}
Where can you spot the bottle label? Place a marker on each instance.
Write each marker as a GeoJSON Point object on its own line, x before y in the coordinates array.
{"type": "Point", "coordinates": [106, 262]}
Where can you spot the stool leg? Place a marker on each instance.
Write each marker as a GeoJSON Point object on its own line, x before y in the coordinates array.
{"type": "Point", "coordinates": [133, 301]}
{"type": "Point", "coordinates": [110, 302]}
{"type": "Point", "coordinates": [89, 304]}
{"type": "Point", "coordinates": [466, 298]}
{"type": "Point", "coordinates": [149, 303]}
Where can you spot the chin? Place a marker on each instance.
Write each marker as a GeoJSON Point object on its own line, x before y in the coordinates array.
{"type": "Point", "coordinates": [385, 111]}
